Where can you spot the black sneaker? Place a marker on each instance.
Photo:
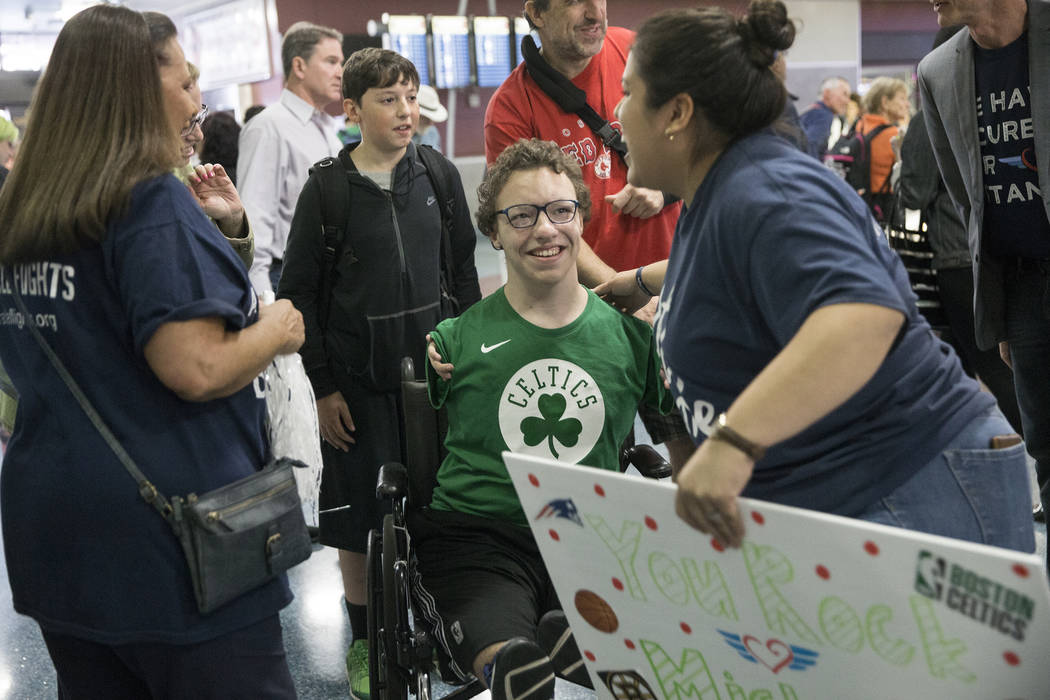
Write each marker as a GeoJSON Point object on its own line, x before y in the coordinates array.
{"type": "Point", "coordinates": [521, 671]}
{"type": "Point", "coordinates": [555, 637]}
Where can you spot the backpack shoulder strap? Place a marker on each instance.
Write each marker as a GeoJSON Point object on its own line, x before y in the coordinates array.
{"type": "Point", "coordinates": [335, 212]}
{"type": "Point", "coordinates": [439, 171]}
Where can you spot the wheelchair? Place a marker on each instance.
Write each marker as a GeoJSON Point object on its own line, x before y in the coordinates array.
{"type": "Point", "coordinates": [401, 652]}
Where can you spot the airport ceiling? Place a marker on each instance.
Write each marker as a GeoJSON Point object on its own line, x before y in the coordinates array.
{"type": "Point", "coordinates": [48, 15]}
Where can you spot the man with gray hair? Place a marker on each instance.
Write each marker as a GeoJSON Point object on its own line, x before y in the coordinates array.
{"type": "Point", "coordinates": [818, 118]}
{"type": "Point", "coordinates": [279, 145]}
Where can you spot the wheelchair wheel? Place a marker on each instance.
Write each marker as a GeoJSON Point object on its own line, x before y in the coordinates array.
{"type": "Point", "coordinates": [373, 571]}
{"type": "Point", "coordinates": [395, 614]}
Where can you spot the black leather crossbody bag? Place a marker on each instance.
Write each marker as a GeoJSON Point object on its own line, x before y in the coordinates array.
{"type": "Point", "coordinates": [236, 537]}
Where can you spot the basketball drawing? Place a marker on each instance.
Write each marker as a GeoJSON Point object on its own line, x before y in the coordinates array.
{"type": "Point", "coordinates": [593, 608]}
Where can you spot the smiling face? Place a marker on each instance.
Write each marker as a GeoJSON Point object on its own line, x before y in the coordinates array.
{"type": "Point", "coordinates": [176, 85]}
{"type": "Point", "coordinates": [321, 74]}
{"type": "Point", "coordinates": [571, 30]}
{"type": "Point", "coordinates": [545, 253]}
{"type": "Point", "coordinates": [192, 137]}
{"type": "Point", "coordinates": [642, 136]}
{"type": "Point", "coordinates": [388, 116]}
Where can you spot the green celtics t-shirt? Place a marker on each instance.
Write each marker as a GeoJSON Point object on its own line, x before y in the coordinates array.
{"type": "Point", "coordinates": [568, 393]}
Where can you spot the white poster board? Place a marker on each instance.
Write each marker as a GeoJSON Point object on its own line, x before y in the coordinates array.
{"type": "Point", "coordinates": [811, 607]}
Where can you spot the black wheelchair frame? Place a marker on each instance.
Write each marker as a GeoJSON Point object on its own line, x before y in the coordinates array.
{"type": "Point", "coordinates": [401, 656]}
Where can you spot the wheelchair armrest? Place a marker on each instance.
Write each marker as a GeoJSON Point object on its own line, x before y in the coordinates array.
{"type": "Point", "coordinates": [392, 482]}
{"type": "Point", "coordinates": [646, 460]}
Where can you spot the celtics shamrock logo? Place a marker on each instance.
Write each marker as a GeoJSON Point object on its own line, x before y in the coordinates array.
{"type": "Point", "coordinates": [552, 408]}
{"type": "Point", "coordinates": [551, 426]}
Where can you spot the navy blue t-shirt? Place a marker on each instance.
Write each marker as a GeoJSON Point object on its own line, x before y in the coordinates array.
{"type": "Point", "coordinates": [86, 556]}
{"type": "Point", "coordinates": [770, 237]}
{"type": "Point", "coordinates": [1015, 222]}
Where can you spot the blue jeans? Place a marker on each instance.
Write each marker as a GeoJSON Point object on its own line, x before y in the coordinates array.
{"type": "Point", "coordinates": [969, 491]}
{"type": "Point", "coordinates": [1028, 332]}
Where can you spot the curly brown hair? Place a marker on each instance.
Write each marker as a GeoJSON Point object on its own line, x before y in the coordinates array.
{"type": "Point", "coordinates": [527, 154]}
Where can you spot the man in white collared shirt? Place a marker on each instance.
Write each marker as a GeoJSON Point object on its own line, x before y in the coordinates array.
{"type": "Point", "coordinates": [279, 145]}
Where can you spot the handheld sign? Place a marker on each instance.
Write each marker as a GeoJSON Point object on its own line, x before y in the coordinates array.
{"type": "Point", "coordinates": [812, 606]}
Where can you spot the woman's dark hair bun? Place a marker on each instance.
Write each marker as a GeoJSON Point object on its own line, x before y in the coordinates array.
{"type": "Point", "coordinates": [766, 30]}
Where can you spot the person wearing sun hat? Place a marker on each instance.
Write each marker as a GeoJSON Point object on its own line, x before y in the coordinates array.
{"type": "Point", "coordinates": [431, 112]}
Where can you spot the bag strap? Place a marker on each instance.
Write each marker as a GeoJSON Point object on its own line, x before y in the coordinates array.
{"type": "Point", "coordinates": [569, 97]}
{"type": "Point", "coordinates": [147, 490]}
{"type": "Point", "coordinates": [441, 179]}
{"type": "Point", "coordinates": [335, 211]}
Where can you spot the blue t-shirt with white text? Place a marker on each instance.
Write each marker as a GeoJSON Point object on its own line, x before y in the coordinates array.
{"type": "Point", "coordinates": [770, 237]}
{"type": "Point", "coordinates": [1015, 222]}
{"type": "Point", "coordinates": [86, 556]}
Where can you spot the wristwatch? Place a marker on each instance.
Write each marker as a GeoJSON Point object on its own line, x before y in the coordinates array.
{"type": "Point", "coordinates": [723, 433]}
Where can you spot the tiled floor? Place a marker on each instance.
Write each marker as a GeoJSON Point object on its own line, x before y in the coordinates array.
{"type": "Point", "coordinates": [315, 626]}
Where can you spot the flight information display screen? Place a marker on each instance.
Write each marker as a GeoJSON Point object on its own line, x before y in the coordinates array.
{"type": "Point", "coordinates": [407, 35]}
{"type": "Point", "coordinates": [451, 51]}
{"type": "Point", "coordinates": [492, 50]}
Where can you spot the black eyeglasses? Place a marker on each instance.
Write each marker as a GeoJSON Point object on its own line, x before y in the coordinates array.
{"type": "Point", "coordinates": [198, 118]}
{"type": "Point", "coordinates": [560, 211]}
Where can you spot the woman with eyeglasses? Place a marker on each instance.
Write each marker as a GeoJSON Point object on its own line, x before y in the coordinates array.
{"type": "Point", "coordinates": [787, 327]}
{"type": "Point", "coordinates": [209, 182]}
{"type": "Point", "coordinates": [152, 314]}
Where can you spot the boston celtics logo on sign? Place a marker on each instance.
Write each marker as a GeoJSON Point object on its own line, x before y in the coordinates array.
{"type": "Point", "coordinates": [552, 408]}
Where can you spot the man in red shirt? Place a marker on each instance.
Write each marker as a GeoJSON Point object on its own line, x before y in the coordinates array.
{"type": "Point", "coordinates": [630, 226]}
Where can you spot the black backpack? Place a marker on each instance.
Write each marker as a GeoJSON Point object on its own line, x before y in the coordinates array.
{"type": "Point", "coordinates": [335, 213]}
{"type": "Point", "coordinates": [850, 157]}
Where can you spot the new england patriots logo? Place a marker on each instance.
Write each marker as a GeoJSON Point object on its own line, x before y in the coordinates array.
{"type": "Point", "coordinates": [560, 508]}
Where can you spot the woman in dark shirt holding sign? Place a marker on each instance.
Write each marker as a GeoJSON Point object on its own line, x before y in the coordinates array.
{"type": "Point", "coordinates": [787, 327]}
{"type": "Point", "coordinates": [151, 311]}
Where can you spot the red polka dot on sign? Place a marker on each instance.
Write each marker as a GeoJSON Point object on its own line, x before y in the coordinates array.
{"type": "Point", "coordinates": [685, 628]}
{"type": "Point", "coordinates": [590, 657]}
{"type": "Point", "coordinates": [554, 535]}
{"type": "Point", "coordinates": [758, 517]}
{"type": "Point", "coordinates": [716, 545]}
{"type": "Point", "coordinates": [822, 571]}
{"type": "Point", "coordinates": [871, 548]}
{"type": "Point", "coordinates": [628, 643]}
{"type": "Point", "coordinates": [1012, 658]}
{"type": "Point", "coordinates": [617, 584]}
{"type": "Point", "coordinates": [599, 490]}
{"type": "Point", "coordinates": [650, 523]}
{"type": "Point", "coordinates": [533, 480]}
{"type": "Point", "coordinates": [1021, 570]}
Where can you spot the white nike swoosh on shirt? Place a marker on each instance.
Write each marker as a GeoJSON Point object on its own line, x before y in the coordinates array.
{"type": "Point", "coordinates": [489, 348]}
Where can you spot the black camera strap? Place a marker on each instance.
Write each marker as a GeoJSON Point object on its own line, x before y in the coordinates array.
{"type": "Point", "coordinates": [569, 97]}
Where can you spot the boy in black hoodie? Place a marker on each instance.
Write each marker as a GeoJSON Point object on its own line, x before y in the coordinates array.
{"type": "Point", "coordinates": [371, 300]}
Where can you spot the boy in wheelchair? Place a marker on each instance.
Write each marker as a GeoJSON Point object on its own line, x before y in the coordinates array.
{"type": "Point", "coordinates": [544, 367]}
